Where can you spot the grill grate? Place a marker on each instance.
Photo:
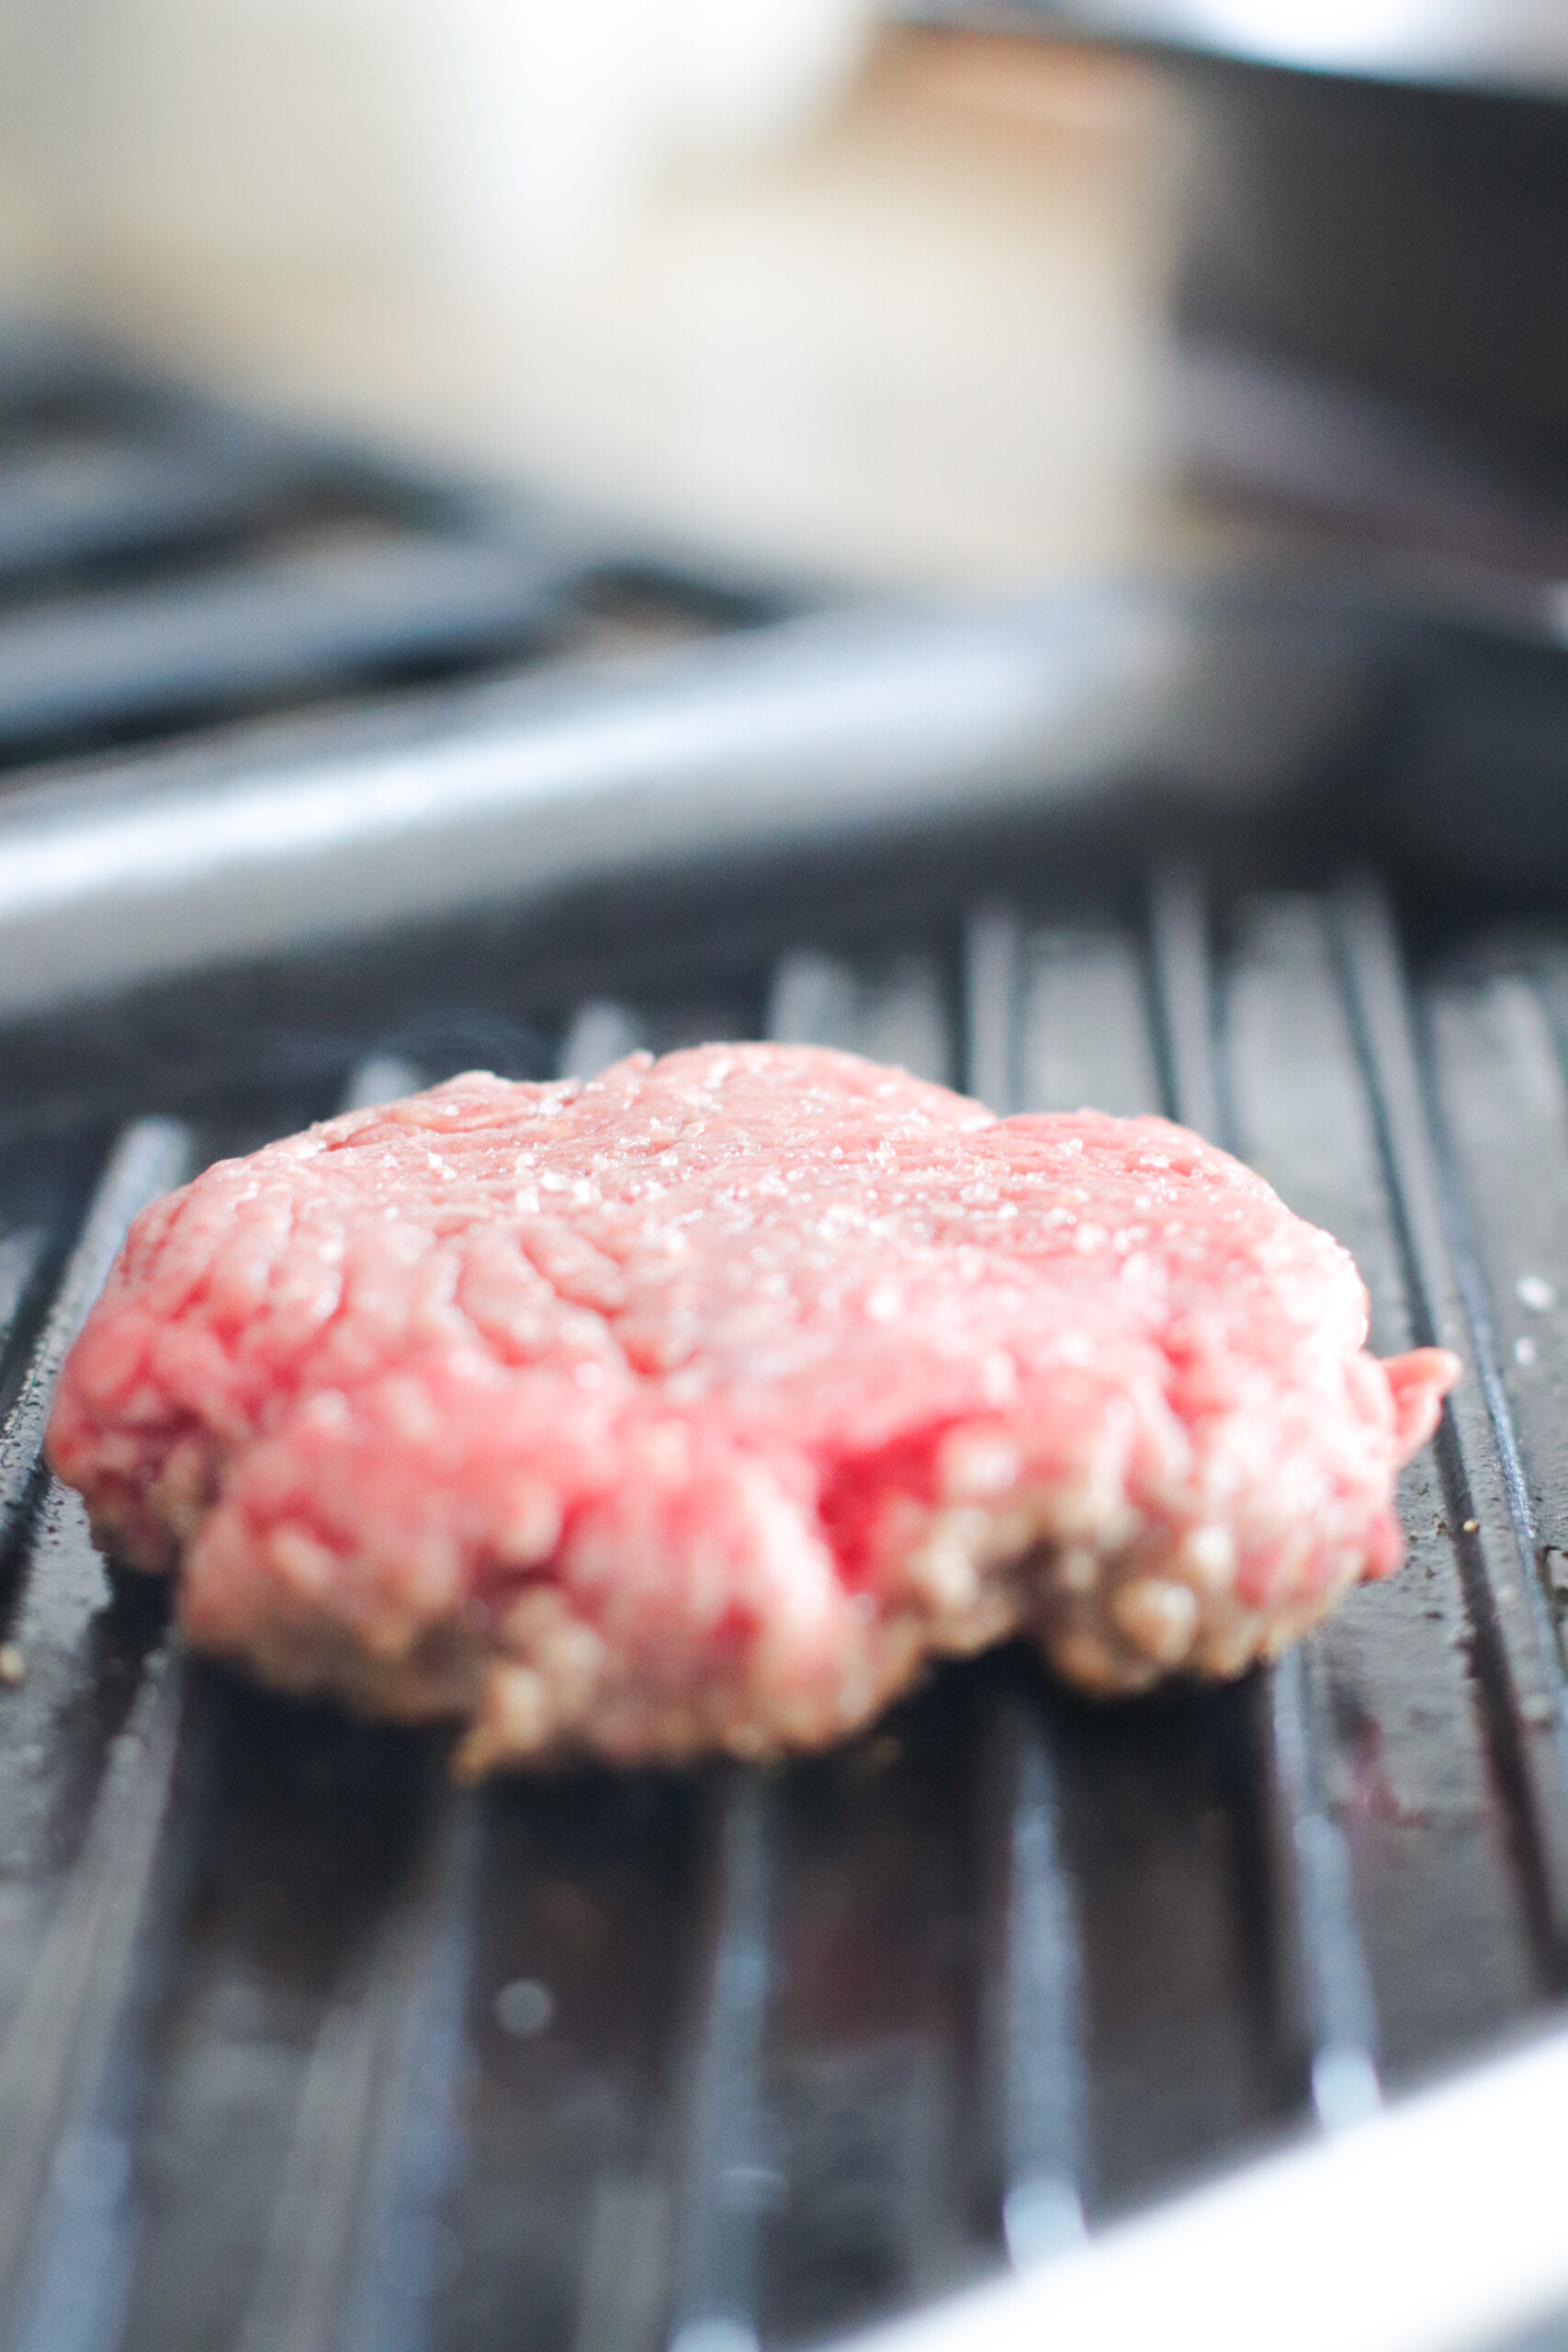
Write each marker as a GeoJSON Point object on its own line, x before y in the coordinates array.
{"type": "Point", "coordinates": [302, 2047]}
{"type": "Point", "coordinates": [299, 2047]}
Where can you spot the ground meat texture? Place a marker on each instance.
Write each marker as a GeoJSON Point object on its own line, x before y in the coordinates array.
{"type": "Point", "coordinates": [697, 1406]}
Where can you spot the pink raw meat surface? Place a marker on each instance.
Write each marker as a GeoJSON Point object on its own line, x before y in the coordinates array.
{"type": "Point", "coordinates": [694, 1407]}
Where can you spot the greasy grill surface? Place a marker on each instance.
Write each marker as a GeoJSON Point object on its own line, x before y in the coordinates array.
{"type": "Point", "coordinates": [301, 2048]}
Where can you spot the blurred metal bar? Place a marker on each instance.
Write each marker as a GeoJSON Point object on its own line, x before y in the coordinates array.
{"type": "Point", "coordinates": [810, 735]}
{"type": "Point", "coordinates": [165, 651]}
{"type": "Point", "coordinates": [61, 507]}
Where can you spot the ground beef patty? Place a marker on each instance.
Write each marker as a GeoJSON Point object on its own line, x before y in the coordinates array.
{"type": "Point", "coordinates": [694, 1408]}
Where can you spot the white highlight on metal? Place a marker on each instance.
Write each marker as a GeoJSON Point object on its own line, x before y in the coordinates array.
{"type": "Point", "coordinates": [601, 1032]}
{"type": "Point", "coordinates": [1041, 2219]}
{"type": "Point", "coordinates": [1345, 2087]}
{"type": "Point", "coordinates": [1309, 32]}
{"type": "Point", "coordinates": [1509, 44]}
{"type": "Point", "coordinates": [714, 2336]}
{"type": "Point", "coordinates": [1434, 2226]}
{"type": "Point", "coordinates": [383, 1078]}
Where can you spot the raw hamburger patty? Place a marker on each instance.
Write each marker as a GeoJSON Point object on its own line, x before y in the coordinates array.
{"type": "Point", "coordinates": [694, 1408]}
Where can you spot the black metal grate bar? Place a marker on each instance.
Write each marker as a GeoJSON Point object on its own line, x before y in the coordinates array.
{"type": "Point", "coordinates": [1324, 1977]}
{"type": "Point", "coordinates": [1032, 2009]}
{"type": "Point", "coordinates": [623, 2271]}
{"type": "Point", "coordinates": [898, 2161]}
{"type": "Point", "coordinates": [1156, 1832]}
{"type": "Point", "coordinates": [66, 2075]}
{"type": "Point", "coordinates": [729, 2176]}
{"type": "Point", "coordinates": [1184, 1000]}
{"type": "Point", "coordinates": [893, 1009]}
{"type": "Point", "coordinates": [66, 2119]}
{"type": "Point", "coordinates": [1318, 1941]}
{"type": "Point", "coordinates": [64, 2168]}
{"type": "Point", "coordinates": [1032, 2004]}
{"type": "Point", "coordinates": [1332, 1979]}
{"type": "Point", "coordinates": [1084, 1030]}
{"type": "Point", "coordinates": [1402, 1759]}
{"type": "Point", "coordinates": [150, 1157]}
{"type": "Point", "coordinates": [728, 2179]}
{"type": "Point", "coordinates": [1496, 1041]}
{"type": "Point", "coordinates": [352, 2254]}
{"type": "Point", "coordinates": [992, 986]}
{"type": "Point", "coordinates": [359, 2194]}
{"type": "Point", "coordinates": [1515, 1644]}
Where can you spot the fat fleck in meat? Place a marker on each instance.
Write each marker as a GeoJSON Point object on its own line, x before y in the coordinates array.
{"type": "Point", "coordinates": [694, 1407]}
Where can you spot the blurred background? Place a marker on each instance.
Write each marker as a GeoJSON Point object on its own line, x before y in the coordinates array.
{"type": "Point", "coordinates": [865, 298]}
{"type": "Point", "coordinates": [945, 295]}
